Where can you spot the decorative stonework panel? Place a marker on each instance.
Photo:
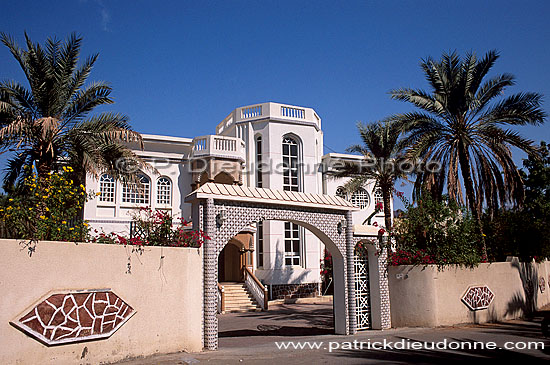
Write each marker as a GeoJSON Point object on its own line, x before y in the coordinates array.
{"type": "Point", "coordinates": [362, 289]}
{"type": "Point", "coordinates": [478, 297]}
{"type": "Point", "coordinates": [542, 284]}
{"type": "Point", "coordinates": [75, 316]}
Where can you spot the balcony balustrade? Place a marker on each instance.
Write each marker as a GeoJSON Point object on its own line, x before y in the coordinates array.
{"type": "Point", "coordinates": [273, 111]}
{"type": "Point", "coordinates": [218, 146]}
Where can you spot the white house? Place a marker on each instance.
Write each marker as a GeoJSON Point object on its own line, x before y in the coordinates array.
{"type": "Point", "coordinates": [268, 145]}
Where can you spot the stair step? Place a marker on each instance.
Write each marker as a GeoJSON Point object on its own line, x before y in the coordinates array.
{"type": "Point", "coordinates": [239, 299]}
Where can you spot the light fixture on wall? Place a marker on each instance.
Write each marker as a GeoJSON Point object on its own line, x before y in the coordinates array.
{"type": "Point", "coordinates": [341, 226]}
{"type": "Point", "coordinates": [220, 218]}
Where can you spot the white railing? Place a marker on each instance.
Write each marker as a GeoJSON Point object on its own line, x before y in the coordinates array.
{"type": "Point", "coordinates": [251, 112]}
{"type": "Point", "coordinates": [267, 111]}
{"type": "Point", "coordinates": [287, 111]}
{"type": "Point", "coordinates": [258, 291]}
{"type": "Point", "coordinates": [219, 146]}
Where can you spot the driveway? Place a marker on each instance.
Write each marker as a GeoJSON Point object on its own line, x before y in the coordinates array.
{"type": "Point", "coordinates": [281, 322]}
{"type": "Point", "coordinates": [303, 334]}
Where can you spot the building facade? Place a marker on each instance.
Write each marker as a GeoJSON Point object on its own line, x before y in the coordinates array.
{"type": "Point", "coordinates": [268, 145]}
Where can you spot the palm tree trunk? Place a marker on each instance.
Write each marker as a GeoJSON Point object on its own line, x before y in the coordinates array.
{"type": "Point", "coordinates": [470, 194]}
{"type": "Point", "coordinates": [386, 196]}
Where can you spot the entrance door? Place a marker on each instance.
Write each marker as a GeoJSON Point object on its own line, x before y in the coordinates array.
{"type": "Point", "coordinates": [229, 264]}
{"type": "Point", "coordinates": [362, 292]}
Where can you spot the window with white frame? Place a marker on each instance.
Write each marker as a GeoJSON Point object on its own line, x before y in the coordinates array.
{"type": "Point", "coordinates": [360, 198]}
{"type": "Point", "coordinates": [292, 244]}
{"type": "Point", "coordinates": [260, 243]}
{"type": "Point", "coordinates": [291, 164]}
{"type": "Point", "coordinates": [164, 191]}
{"type": "Point", "coordinates": [137, 193]}
{"type": "Point", "coordinates": [259, 177]}
{"type": "Point", "coordinates": [107, 188]}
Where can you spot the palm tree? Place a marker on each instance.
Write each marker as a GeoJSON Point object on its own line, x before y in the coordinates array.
{"type": "Point", "coordinates": [49, 124]}
{"type": "Point", "coordinates": [461, 125]}
{"type": "Point", "coordinates": [383, 162]}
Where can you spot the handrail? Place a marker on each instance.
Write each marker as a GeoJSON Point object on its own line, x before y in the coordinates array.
{"type": "Point", "coordinates": [221, 291]}
{"type": "Point", "coordinates": [263, 289]}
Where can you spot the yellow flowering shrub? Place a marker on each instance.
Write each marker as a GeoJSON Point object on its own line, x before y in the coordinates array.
{"type": "Point", "coordinates": [47, 209]}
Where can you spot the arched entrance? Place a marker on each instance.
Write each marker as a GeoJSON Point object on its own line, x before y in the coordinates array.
{"type": "Point", "coordinates": [236, 255]}
{"type": "Point", "coordinates": [230, 263]}
{"type": "Point", "coordinates": [222, 211]}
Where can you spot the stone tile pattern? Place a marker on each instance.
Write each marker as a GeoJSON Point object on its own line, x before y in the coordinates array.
{"type": "Point", "coordinates": [290, 291]}
{"type": "Point", "coordinates": [241, 214]}
{"type": "Point", "coordinates": [75, 317]}
{"type": "Point", "coordinates": [478, 297]}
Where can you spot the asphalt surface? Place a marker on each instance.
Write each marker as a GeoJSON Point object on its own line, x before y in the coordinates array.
{"type": "Point", "coordinates": [260, 338]}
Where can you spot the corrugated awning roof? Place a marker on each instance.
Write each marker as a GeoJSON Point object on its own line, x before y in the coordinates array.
{"type": "Point", "coordinates": [269, 196]}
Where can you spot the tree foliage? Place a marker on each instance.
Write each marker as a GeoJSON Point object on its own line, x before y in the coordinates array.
{"type": "Point", "coordinates": [382, 162]}
{"type": "Point", "coordinates": [49, 124]}
{"type": "Point", "coordinates": [466, 124]}
{"type": "Point", "coordinates": [437, 232]}
{"type": "Point", "coordinates": [525, 232]}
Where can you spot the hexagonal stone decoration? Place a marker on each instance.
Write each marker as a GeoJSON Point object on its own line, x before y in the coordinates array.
{"type": "Point", "coordinates": [478, 297]}
{"type": "Point", "coordinates": [76, 316]}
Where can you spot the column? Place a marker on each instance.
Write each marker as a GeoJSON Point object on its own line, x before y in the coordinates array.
{"type": "Point", "coordinates": [210, 279]}
{"type": "Point", "coordinates": [350, 273]}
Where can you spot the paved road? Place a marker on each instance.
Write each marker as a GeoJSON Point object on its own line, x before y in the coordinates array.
{"type": "Point", "coordinates": [255, 338]}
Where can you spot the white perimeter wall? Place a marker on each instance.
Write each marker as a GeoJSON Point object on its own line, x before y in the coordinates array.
{"type": "Point", "coordinates": [164, 288]}
{"type": "Point", "coordinates": [427, 297]}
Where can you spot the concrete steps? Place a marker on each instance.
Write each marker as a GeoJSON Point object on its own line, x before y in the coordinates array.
{"type": "Point", "coordinates": [239, 299]}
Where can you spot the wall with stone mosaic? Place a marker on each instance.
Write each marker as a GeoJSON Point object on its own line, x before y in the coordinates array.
{"type": "Point", "coordinates": [426, 296]}
{"type": "Point", "coordinates": [291, 291]}
{"type": "Point", "coordinates": [129, 302]}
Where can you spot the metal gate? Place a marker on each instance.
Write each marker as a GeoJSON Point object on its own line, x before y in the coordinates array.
{"type": "Point", "coordinates": [362, 292]}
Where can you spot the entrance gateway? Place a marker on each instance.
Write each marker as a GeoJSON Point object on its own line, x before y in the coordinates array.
{"type": "Point", "coordinates": [223, 211]}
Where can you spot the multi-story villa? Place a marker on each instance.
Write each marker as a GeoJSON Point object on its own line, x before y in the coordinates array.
{"type": "Point", "coordinates": [267, 145]}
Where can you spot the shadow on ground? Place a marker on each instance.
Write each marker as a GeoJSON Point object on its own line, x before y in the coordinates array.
{"type": "Point", "coordinates": [471, 350]}
{"type": "Point", "coordinates": [280, 320]}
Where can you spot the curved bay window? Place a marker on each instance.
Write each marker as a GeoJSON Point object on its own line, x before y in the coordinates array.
{"type": "Point", "coordinates": [291, 165]}
{"type": "Point", "coordinates": [107, 188]}
{"type": "Point", "coordinates": [137, 193]}
{"type": "Point", "coordinates": [164, 191]}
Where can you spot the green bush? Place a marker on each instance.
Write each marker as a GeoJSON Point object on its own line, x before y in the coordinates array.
{"type": "Point", "coordinates": [436, 232]}
{"type": "Point", "coordinates": [524, 231]}
{"type": "Point", "coordinates": [46, 209]}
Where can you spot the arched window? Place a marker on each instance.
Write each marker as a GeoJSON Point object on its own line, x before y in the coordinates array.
{"type": "Point", "coordinates": [341, 193]}
{"type": "Point", "coordinates": [137, 193]}
{"type": "Point", "coordinates": [360, 198]}
{"type": "Point", "coordinates": [259, 177]}
{"type": "Point", "coordinates": [164, 191]}
{"type": "Point", "coordinates": [107, 188]}
{"type": "Point", "coordinates": [291, 164]}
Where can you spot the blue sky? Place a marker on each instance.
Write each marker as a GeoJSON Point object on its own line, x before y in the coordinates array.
{"type": "Point", "coordinates": [179, 67]}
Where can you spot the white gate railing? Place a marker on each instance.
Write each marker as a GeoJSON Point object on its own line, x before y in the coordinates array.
{"type": "Point", "coordinates": [362, 291]}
